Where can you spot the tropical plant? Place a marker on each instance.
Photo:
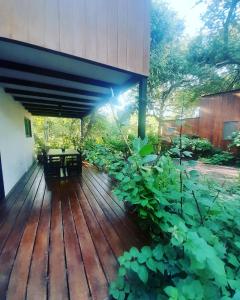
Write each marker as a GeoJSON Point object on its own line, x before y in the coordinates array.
{"type": "Point", "coordinates": [235, 139]}
{"type": "Point", "coordinates": [222, 158]}
{"type": "Point", "coordinates": [56, 133]}
{"type": "Point", "coordinates": [103, 158]}
{"type": "Point", "coordinates": [199, 147]}
{"type": "Point", "coordinates": [195, 235]}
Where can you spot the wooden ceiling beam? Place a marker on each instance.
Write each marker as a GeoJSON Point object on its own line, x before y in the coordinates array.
{"type": "Point", "coordinates": [18, 92]}
{"type": "Point", "coordinates": [46, 114]}
{"type": "Point", "coordinates": [53, 109]}
{"type": "Point", "coordinates": [52, 87]}
{"type": "Point", "coordinates": [57, 114]}
{"type": "Point", "coordinates": [34, 101]}
{"type": "Point", "coordinates": [55, 74]}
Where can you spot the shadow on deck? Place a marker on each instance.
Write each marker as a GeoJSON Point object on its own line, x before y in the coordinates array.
{"type": "Point", "coordinates": [61, 239]}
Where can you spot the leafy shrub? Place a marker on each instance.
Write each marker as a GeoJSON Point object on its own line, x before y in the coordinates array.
{"type": "Point", "coordinates": [195, 234]}
{"type": "Point", "coordinates": [117, 144]}
{"type": "Point", "coordinates": [198, 146]}
{"type": "Point", "coordinates": [235, 146]}
{"type": "Point", "coordinates": [196, 237]}
{"type": "Point", "coordinates": [236, 139]}
{"type": "Point", "coordinates": [104, 158]}
{"type": "Point", "coordinates": [222, 158]}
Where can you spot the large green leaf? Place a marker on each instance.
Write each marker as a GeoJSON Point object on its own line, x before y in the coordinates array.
{"type": "Point", "coordinates": [158, 252]}
{"type": "Point", "coordinates": [151, 264]}
{"type": "Point", "coordinates": [149, 158]}
{"type": "Point", "coordinates": [172, 292]}
{"type": "Point", "coordinates": [143, 273]}
{"type": "Point", "coordinates": [146, 150]}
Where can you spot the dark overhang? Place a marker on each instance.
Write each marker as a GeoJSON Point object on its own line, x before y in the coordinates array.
{"type": "Point", "coordinates": [221, 93]}
{"type": "Point", "coordinates": [51, 83]}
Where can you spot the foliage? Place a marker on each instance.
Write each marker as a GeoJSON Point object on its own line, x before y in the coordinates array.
{"type": "Point", "coordinates": [104, 158]}
{"type": "Point", "coordinates": [169, 68]}
{"type": "Point", "coordinates": [56, 133]}
{"type": "Point", "coordinates": [199, 147]}
{"type": "Point", "coordinates": [195, 234]}
{"type": "Point", "coordinates": [217, 46]}
{"type": "Point", "coordinates": [221, 19]}
{"type": "Point", "coordinates": [235, 139]}
{"type": "Point", "coordinates": [222, 158]}
{"type": "Point", "coordinates": [183, 69]}
{"type": "Point", "coordinates": [116, 143]}
{"type": "Point", "coordinates": [233, 187]}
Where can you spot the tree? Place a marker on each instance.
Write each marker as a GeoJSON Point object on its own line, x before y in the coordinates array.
{"type": "Point", "coordinates": [56, 132]}
{"type": "Point", "coordinates": [219, 42]}
{"type": "Point", "coordinates": [169, 67]}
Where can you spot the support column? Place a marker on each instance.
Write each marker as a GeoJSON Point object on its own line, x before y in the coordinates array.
{"type": "Point", "coordinates": [81, 128]}
{"type": "Point", "coordinates": [142, 105]}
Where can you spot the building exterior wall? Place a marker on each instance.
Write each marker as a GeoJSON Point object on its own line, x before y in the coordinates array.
{"type": "Point", "coordinates": [15, 148]}
{"type": "Point", "coordinates": [112, 32]}
{"type": "Point", "coordinates": [214, 111]}
{"type": "Point", "coordinates": [190, 126]}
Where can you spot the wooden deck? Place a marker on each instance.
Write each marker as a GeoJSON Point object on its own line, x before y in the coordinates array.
{"type": "Point", "coordinates": [61, 239]}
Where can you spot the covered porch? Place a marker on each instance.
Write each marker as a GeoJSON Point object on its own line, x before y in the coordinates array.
{"type": "Point", "coordinates": [55, 84]}
{"type": "Point", "coordinates": [60, 239]}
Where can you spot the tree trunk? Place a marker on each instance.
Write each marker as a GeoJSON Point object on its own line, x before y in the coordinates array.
{"type": "Point", "coordinates": [89, 125]}
{"type": "Point", "coordinates": [160, 125]}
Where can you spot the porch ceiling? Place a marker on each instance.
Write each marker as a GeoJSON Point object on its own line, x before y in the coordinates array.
{"type": "Point", "coordinates": [51, 83]}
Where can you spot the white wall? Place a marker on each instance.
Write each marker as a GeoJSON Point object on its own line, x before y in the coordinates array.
{"type": "Point", "coordinates": [16, 149]}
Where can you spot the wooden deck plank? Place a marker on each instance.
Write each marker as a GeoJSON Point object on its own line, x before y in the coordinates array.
{"type": "Point", "coordinates": [120, 211]}
{"type": "Point", "coordinates": [62, 238]}
{"type": "Point", "coordinates": [19, 275]}
{"type": "Point", "coordinates": [77, 281]}
{"type": "Point", "coordinates": [9, 220]}
{"type": "Point", "coordinates": [105, 253]}
{"type": "Point", "coordinates": [106, 184]}
{"type": "Point", "coordinates": [105, 191]}
{"type": "Point", "coordinates": [38, 276]}
{"type": "Point", "coordinates": [106, 188]}
{"type": "Point", "coordinates": [58, 288]}
{"type": "Point", "coordinates": [11, 246]}
{"type": "Point", "coordinates": [114, 240]}
{"type": "Point", "coordinates": [12, 197]}
{"type": "Point", "coordinates": [116, 217]}
{"type": "Point", "coordinates": [95, 274]}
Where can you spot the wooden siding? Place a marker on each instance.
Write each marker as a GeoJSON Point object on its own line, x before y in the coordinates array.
{"type": "Point", "coordinates": [190, 126]}
{"type": "Point", "coordinates": [115, 33]}
{"type": "Point", "coordinates": [214, 111]}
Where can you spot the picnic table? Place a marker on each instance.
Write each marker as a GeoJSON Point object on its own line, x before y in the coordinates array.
{"type": "Point", "coordinates": [68, 161]}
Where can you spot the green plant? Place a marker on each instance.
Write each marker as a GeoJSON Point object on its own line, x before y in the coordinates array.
{"type": "Point", "coordinates": [104, 158]}
{"type": "Point", "coordinates": [195, 234]}
{"type": "Point", "coordinates": [236, 139]}
{"type": "Point", "coordinates": [197, 146]}
{"type": "Point", "coordinates": [235, 146]}
{"type": "Point", "coordinates": [193, 224]}
{"type": "Point", "coordinates": [222, 158]}
{"type": "Point", "coordinates": [116, 144]}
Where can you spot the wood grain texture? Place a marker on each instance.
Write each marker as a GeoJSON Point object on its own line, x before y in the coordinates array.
{"type": "Point", "coordinates": [52, 26]}
{"type": "Point", "coordinates": [19, 276]}
{"type": "Point", "coordinates": [11, 245]}
{"type": "Point", "coordinates": [38, 274]}
{"type": "Point", "coordinates": [95, 274]}
{"type": "Point", "coordinates": [116, 33]}
{"type": "Point", "coordinates": [64, 238]}
{"type": "Point", "coordinates": [214, 111]}
{"type": "Point", "coordinates": [58, 285]}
